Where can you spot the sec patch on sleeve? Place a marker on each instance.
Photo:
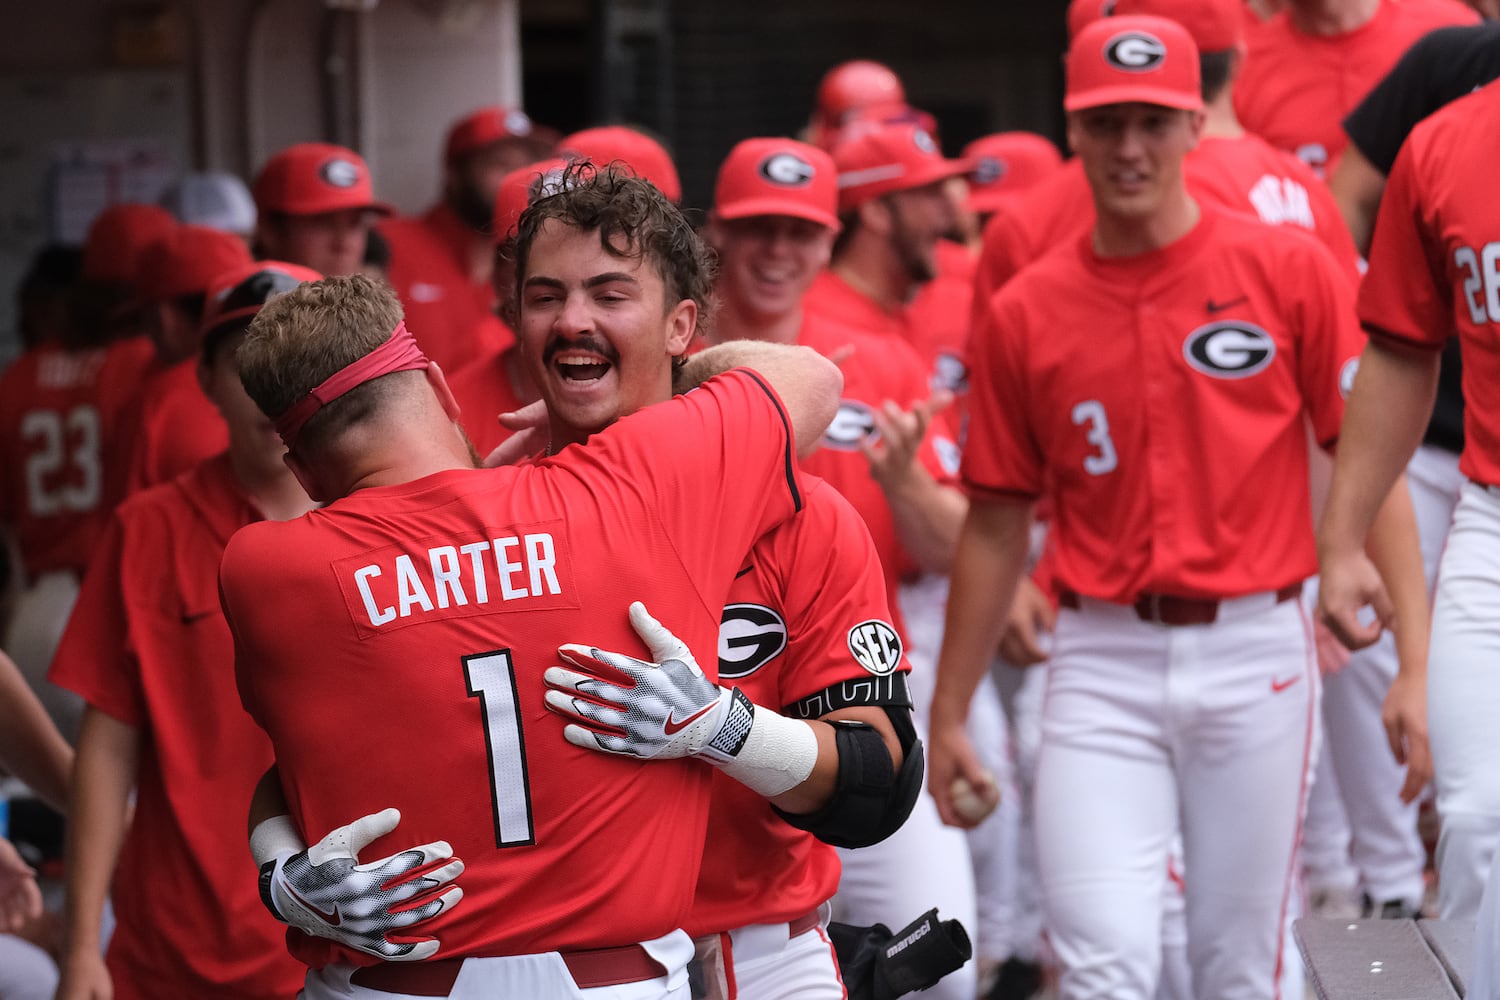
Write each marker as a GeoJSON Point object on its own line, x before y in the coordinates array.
{"type": "Point", "coordinates": [875, 646]}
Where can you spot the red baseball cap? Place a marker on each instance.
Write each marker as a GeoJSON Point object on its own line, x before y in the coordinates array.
{"type": "Point", "coordinates": [860, 83]}
{"type": "Point", "coordinates": [1006, 164]}
{"type": "Point", "coordinates": [116, 238]}
{"type": "Point", "coordinates": [186, 260]}
{"type": "Point", "coordinates": [645, 157]}
{"type": "Point", "coordinates": [887, 158]}
{"type": "Point", "coordinates": [236, 295]}
{"type": "Point", "coordinates": [1216, 25]}
{"type": "Point", "coordinates": [312, 178]}
{"type": "Point", "coordinates": [519, 188]}
{"type": "Point", "coordinates": [778, 177]}
{"type": "Point", "coordinates": [1125, 60]}
{"type": "Point", "coordinates": [486, 127]}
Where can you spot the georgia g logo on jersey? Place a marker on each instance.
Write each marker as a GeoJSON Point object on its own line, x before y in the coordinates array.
{"type": "Point", "coordinates": [875, 646]}
{"type": "Point", "coordinates": [1229, 349]}
{"type": "Point", "coordinates": [1135, 51]}
{"type": "Point", "coordinates": [853, 424]}
{"type": "Point", "coordinates": [750, 636]}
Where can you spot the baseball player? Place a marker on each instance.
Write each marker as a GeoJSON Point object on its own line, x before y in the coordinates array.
{"type": "Point", "coordinates": [860, 91]}
{"type": "Point", "coordinates": [1310, 64]}
{"type": "Point", "coordinates": [643, 155]}
{"type": "Point", "coordinates": [148, 649]}
{"type": "Point", "coordinates": [62, 465]}
{"type": "Point", "coordinates": [591, 885]}
{"type": "Point", "coordinates": [1182, 666]}
{"type": "Point", "coordinates": [1428, 276]}
{"type": "Point", "coordinates": [315, 205]}
{"type": "Point", "coordinates": [178, 426]}
{"type": "Point", "coordinates": [441, 260]}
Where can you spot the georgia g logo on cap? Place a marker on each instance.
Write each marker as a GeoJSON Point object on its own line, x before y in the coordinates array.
{"type": "Point", "coordinates": [786, 169]}
{"type": "Point", "coordinates": [339, 173]}
{"type": "Point", "coordinates": [1134, 51]}
{"type": "Point", "coordinates": [989, 170]}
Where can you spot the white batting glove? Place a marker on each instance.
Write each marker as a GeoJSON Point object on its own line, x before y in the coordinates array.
{"type": "Point", "coordinates": [671, 710]}
{"type": "Point", "coordinates": [324, 891]}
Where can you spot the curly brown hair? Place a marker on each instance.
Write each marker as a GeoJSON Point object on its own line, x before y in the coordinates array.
{"type": "Point", "coordinates": [634, 220]}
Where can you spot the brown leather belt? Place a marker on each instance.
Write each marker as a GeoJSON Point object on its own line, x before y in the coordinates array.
{"type": "Point", "coordinates": [1166, 609]}
{"type": "Point", "coordinates": [595, 967]}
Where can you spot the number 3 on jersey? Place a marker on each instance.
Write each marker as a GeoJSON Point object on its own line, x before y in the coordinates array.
{"type": "Point", "coordinates": [1090, 412]}
{"type": "Point", "coordinates": [492, 679]}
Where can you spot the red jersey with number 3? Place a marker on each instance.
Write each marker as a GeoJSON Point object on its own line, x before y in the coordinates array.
{"type": "Point", "coordinates": [807, 631]}
{"type": "Point", "coordinates": [1161, 400]}
{"type": "Point", "coordinates": [59, 410]}
{"type": "Point", "coordinates": [393, 645]}
{"type": "Point", "coordinates": [1435, 260]}
{"type": "Point", "coordinates": [1296, 88]}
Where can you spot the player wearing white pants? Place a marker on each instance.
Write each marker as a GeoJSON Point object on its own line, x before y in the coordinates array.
{"type": "Point", "coordinates": [548, 976]}
{"type": "Point", "coordinates": [1161, 725]}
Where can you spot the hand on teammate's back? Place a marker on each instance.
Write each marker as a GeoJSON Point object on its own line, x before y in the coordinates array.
{"type": "Point", "coordinates": [324, 891]}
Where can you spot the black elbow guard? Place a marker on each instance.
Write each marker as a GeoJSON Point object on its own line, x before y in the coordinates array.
{"type": "Point", "coordinates": [871, 799]}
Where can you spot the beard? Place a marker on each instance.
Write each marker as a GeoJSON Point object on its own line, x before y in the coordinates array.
{"type": "Point", "coordinates": [470, 204]}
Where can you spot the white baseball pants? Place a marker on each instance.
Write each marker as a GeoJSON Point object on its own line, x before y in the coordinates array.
{"type": "Point", "coordinates": [1149, 731]}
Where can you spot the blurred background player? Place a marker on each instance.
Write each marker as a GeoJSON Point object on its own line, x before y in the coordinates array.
{"type": "Point", "coordinates": [1002, 168]}
{"type": "Point", "coordinates": [1132, 727]}
{"type": "Point", "coordinates": [212, 198]}
{"type": "Point", "coordinates": [177, 426]}
{"type": "Point", "coordinates": [642, 153]}
{"type": "Point", "coordinates": [148, 649]}
{"type": "Point", "coordinates": [315, 206]}
{"type": "Point", "coordinates": [441, 260]}
{"type": "Point", "coordinates": [63, 402]}
{"type": "Point", "coordinates": [860, 91]}
{"type": "Point", "coordinates": [1311, 63]}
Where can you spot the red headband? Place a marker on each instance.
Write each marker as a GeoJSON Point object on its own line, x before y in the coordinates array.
{"type": "Point", "coordinates": [399, 353]}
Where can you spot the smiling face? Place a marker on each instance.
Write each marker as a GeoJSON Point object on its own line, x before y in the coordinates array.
{"type": "Point", "coordinates": [1132, 154]}
{"type": "Point", "coordinates": [767, 262]}
{"type": "Point", "coordinates": [597, 330]}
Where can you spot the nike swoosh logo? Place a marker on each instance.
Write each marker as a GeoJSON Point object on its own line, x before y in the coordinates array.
{"type": "Point", "coordinates": [672, 727]}
{"type": "Point", "coordinates": [331, 919]}
{"type": "Point", "coordinates": [1218, 307]}
{"type": "Point", "coordinates": [1279, 686]}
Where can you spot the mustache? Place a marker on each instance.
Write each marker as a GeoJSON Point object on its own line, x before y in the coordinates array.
{"type": "Point", "coordinates": [593, 345]}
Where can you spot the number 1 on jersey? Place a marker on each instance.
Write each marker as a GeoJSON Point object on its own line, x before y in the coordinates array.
{"type": "Point", "coordinates": [1091, 412]}
{"type": "Point", "coordinates": [492, 679]}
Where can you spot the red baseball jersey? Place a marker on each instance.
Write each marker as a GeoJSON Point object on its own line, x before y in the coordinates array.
{"type": "Point", "coordinates": [403, 664]}
{"type": "Point", "coordinates": [1161, 400]}
{"type": "Point", "coordinates": [485, 389]}
{"type": "Point", "coordinates": [937, 320]}
{"type": "Point", "coordinates": [148, 645]}
{"type": "Point", "coordinates": [179, 427]}
{"type": "Point", "coordinates": [446, 310]}
{"type": "Point", "coordinates": [59, 411]}
{"type": "Point", "coordinates": [881, 366]}
{"type": "Point", "coordinates": [1243, 174]}
{"type": "Point", "coordinates": [1435, 260]}
{"type": "Point", "coordinates": [1295, 89]}
{"type": "Point", "coordinates": [807, 631]}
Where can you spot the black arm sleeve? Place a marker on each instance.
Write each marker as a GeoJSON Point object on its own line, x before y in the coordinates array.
{"type": "Point", "coordinates": [1442, 66]}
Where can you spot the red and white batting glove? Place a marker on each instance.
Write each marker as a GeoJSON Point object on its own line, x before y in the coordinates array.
{"type": "Point", "coordinates": [670, 709]}
{"type": "Point", "coordinates": [324, 891]}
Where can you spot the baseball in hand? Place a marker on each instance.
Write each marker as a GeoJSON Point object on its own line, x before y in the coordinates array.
{"type": "Point", "coordinates": [974, 802]}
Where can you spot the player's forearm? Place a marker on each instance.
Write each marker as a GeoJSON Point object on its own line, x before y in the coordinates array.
{"type": "Point", "coordinates": [1357, 187]}
{"type": "Point", "coordinates": [33, 750]}
{"type": "Point", "coordinates": [268, 799]}
{"type": "Point", "coordinates": [108, 753]}
{"type": "Point", "coordinates": [814, 793]}
{"type": "Point", "coordinates": [808, 383]}
{"type": "Point", "coordinates": [1396, 550]}
{"type": "Point", "coordinates": [987, 568]}
{"type": "Point", "coordinates": [1383, 425]}
{"type": "Point", "coordinates": [928, 517]}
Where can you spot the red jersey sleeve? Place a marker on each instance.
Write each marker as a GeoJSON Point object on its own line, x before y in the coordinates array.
{"type": "Point", "coordinates": [1405, 294]}
{"type": "Point", "coordinates": [998, 263]}
{"type": "Point", "coordinates": [95, 659]}
{"type": "Point", "coordinates": [1000, 453]}
{"type": "Point", "coordinates": [839, 624]}
{"type": "Point", "coordinates": [1329, 339]}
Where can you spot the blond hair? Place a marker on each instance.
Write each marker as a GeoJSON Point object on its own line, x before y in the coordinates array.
{"type": "Point", "coordinates": [299, 339]}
